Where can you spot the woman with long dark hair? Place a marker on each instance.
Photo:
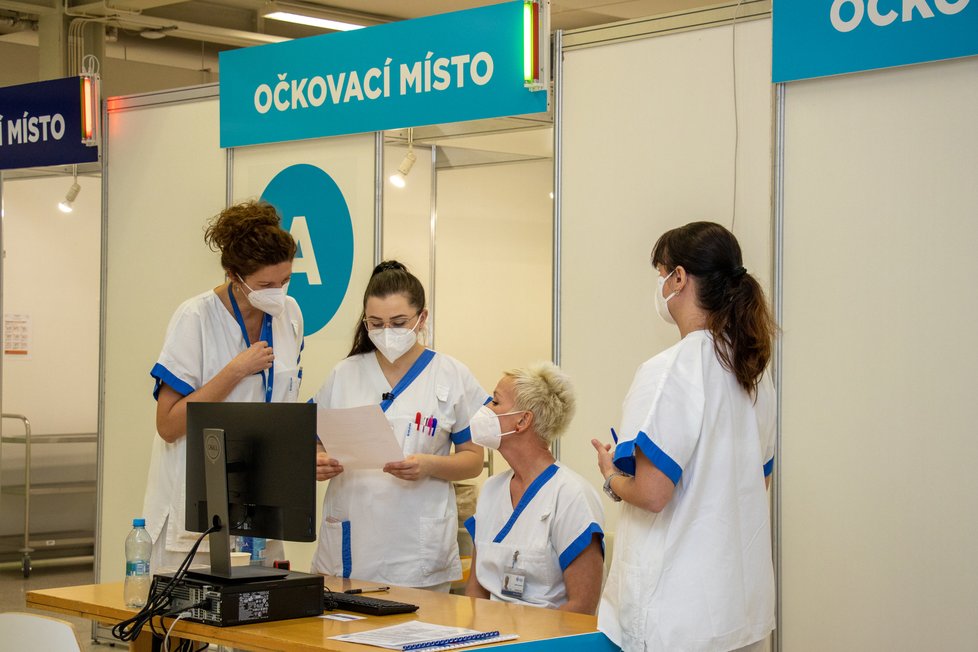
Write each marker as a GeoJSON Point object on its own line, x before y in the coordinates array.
{"type": "Point", "coordinates": [399, 525]}
{"type": "Point", "coordinates": [692, 566]}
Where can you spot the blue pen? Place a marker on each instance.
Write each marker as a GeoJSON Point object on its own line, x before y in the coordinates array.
{"type": "Point", "coordinates": [614, 436]}
{"type": "Point", "coordinates": [434, 425]}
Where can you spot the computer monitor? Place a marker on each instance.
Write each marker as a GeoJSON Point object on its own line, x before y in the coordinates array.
{"type": "Point", "coordinates": [251, 466]}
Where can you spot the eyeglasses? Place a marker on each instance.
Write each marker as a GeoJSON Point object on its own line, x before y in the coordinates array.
{"type": "Point", "coordinates": [397, 322]}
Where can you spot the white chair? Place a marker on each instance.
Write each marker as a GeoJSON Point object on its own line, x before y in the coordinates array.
{"type": "Point", "coordinates": [26, 632]}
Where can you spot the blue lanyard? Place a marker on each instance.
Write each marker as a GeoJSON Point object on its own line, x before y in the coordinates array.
{"type": "Point", "coordinates": [268, 380]}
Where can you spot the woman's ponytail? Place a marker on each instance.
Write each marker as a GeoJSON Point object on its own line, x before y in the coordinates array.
{"type": "Point", "coordinates": [738, 316]}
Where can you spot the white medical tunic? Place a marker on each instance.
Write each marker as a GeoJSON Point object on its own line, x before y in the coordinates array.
{"type": "Point", "coordinates": [380, 528]}
{"type": "Point", "coordinates": [698, 575]}
{"type": "Point", "coordinates": [202, 338]}
{"type": "Point", "coordinates": [551, 525]}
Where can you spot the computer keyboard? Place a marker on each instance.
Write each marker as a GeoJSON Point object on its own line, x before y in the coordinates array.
{"type": "Point", "coordinates": [365, 604]}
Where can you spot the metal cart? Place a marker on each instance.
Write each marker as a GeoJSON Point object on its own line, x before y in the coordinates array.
{"type": "Point", "coordinates": [47, 540]}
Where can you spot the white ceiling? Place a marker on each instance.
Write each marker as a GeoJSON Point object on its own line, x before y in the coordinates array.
{"type": "Point", "coordinates": [237, 23]}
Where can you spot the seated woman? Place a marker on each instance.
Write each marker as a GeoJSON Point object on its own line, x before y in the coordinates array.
{"type": "Point", "coordinates": [537, 529]}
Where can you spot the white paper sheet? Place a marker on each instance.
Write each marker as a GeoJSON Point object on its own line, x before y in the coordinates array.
{"type": "Point", "coordinates": [360, 437]}
{"type": "Point", "coordinates": [417, 635]}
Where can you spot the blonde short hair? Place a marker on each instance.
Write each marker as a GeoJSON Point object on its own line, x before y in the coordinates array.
{"type": "Point", "coordinates": [547, 392]}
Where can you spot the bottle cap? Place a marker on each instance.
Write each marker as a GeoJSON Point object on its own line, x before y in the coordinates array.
{"type": "Point", "coordinates": [139, 522]}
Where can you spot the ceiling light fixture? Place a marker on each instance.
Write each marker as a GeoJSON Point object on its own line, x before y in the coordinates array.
{"type": "Point", "coordinates": [399, 178]}
{"type": "Point", "coordinates": [65, 205]}
{"type": "Point", "coordinates": [337, 20]}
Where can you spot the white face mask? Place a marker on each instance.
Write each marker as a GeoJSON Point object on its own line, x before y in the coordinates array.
{"type": "Point", "coordinates": [485, 428]}
{"type": "Point", "coordinates": [661, 302]}
{"type": "Point", "coordinates": [270, 300]}
{"type": "Point", "coordinates": [394, 342]}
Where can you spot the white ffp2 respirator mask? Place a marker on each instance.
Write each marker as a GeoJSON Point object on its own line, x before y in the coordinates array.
{"type": "Point", "coordinates": [485, 428]}
{"type": "Point", "coordinates": [661, 302]}
{"type": "Point", "coordinates": [269, 300]}
{"type": "Point", "coordinates": [393, 342]}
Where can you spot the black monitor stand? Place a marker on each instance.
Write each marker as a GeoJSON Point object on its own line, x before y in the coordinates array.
{"type": "Point", "coordinates": [216, 479]}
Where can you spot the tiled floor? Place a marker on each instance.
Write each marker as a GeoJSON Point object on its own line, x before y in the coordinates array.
{"type": "Point", "coordinates": [13, 588]}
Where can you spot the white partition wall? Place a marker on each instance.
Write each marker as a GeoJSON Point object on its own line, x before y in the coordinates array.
{"type": "Point", "coordinates": [494, 266]}
{"type": "Point", "coordinates": [51, 270]}
{"type": "Point", "coordinates": [879, 490]}
{"type": "Point", "coordinates": [166, 173]}
{"type": "Point", "coordinates": [648, 140]}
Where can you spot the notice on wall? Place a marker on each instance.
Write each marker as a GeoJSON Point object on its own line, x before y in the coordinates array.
{"type": "Point", "coordinates": [17, 336]}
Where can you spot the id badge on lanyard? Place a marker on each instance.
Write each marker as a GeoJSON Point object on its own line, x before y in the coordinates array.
{"type": "Point", "coordinates": [514, 579]}
{"type": "Point", "coordinates": [267, 376]}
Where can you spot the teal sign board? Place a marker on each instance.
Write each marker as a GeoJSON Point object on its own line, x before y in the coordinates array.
{"type": "Point", "coordinates": [315, 212]}
{"type": "Point", "coordinates": [815, 38]}
{"type": "Point", "coordinates": [464, 65]}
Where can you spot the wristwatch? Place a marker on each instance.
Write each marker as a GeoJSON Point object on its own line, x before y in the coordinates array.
{"type": "Point", "coordinates": [607, 485]}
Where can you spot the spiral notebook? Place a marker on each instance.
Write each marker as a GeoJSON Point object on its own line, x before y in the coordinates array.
{"type": "Point", "coordinates": [423, 637]}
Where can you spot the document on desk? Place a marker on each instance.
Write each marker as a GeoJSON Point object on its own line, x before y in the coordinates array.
{"type": "Point", "coordinates": [426, 637]}
{"type": "Point", "coordinates": [360, 437]}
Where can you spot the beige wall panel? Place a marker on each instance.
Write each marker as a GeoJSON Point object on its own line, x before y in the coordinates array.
{"type": "Point", "coordinates": [879, 512]}
{"type": "Point", "coordinates": [166, 177]}
{"type": "Point", "coordinates": [407, 213]}
{"type": "Point", "coordinates": [494, 266]}
{"type": "Point", "coordinates": [648, 142]}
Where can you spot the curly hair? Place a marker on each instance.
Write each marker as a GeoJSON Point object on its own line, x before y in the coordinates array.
{"type": "Point", "coordinates": [249, 236]}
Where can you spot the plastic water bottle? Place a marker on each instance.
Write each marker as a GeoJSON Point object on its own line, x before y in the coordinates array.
{"type": "Point", "coordinates": [139, 547]}
{"type": "Point", "coordinates": [255, 546]}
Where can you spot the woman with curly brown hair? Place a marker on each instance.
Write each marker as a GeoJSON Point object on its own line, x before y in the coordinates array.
{"type": "Point", "coordinates": [239, 341]}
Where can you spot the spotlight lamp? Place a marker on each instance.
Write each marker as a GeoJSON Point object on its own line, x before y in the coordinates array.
{"type": "Point", "coordinates": [65, 205]}
{"type": "Point", "coordinates": [399, 178]}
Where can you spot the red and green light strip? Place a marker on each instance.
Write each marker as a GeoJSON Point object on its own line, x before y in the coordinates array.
{"type": "Point", "coordinates": [531, 49]}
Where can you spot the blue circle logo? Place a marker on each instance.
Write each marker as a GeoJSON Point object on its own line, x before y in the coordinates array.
{"type": "Point", "coordinates": [315, 213]}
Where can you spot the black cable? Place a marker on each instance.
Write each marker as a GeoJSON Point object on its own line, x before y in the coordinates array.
{"type": "Point", "coordinates": [159, 605]}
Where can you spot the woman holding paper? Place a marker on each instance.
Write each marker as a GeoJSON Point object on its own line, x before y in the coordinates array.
{"type": "Point", "coordinates": [240, 341]}
{"type": "Point", "coordinates": [398, 524]}
{"type": "Point", "coordinates": [538, 528]}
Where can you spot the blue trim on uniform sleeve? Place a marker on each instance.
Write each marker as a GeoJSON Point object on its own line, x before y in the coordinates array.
{"type": "Point", "coordinates": [347, 551]}
{"type": "Point", "coordinates": [578, 545]}
{"type": "Point", "coordinates": [164, 375]}
{"type": "Point", "coordinates": [462, 436]}
{"type": "Point", "coordinates": [470, 526]}
{"type": "Point", "coordinates": [625, 457]}
{"type": "Point", "coordinates": [488, 399]}
{"type": "Point", "coordinates": [528, 495]}
{"type": "Point", "coordinates": [419, 365]}
{"type": "Point", "coordinates": [769, 467]}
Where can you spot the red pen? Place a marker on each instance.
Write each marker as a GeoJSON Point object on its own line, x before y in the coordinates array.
{"type": "Point", "coordinates": [417, 421]}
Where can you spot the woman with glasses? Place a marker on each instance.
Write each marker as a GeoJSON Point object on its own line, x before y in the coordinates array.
{"type": "Point", "coordinates": [399, 525]}
{"type": "Point", "coordinates": [692, 565]}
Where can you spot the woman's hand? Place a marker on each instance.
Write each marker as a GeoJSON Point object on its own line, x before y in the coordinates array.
{"type": "Point", "coordinates": [413, 467]}
{"type": "Point", "coordinates": [326, 466]}
{"type": "Point", "coordinates": [605, 464]}
{"type": "Point", "coordinates": [257, 357]}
